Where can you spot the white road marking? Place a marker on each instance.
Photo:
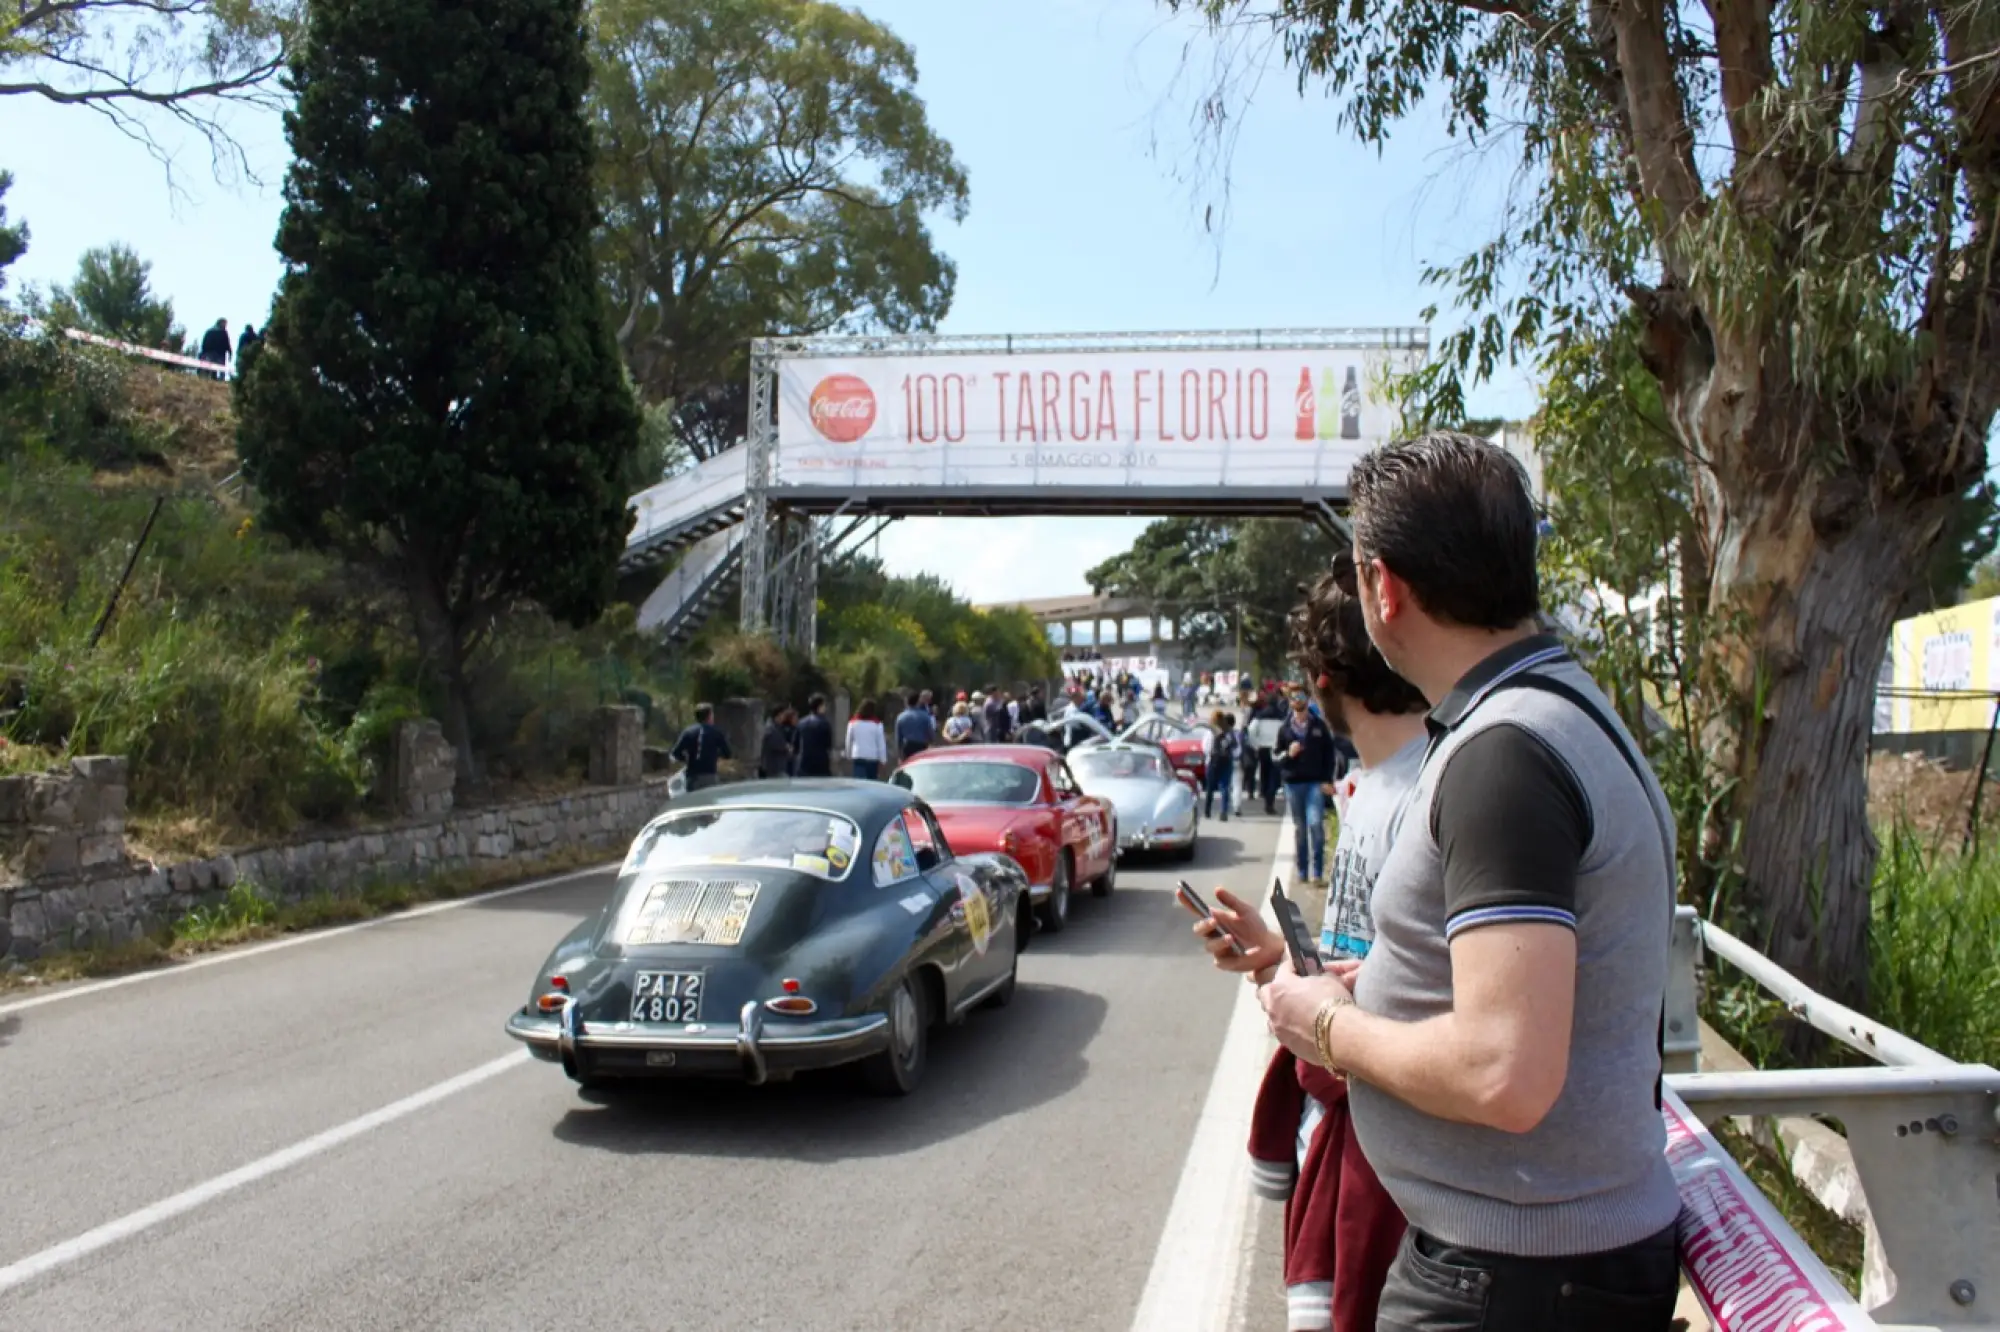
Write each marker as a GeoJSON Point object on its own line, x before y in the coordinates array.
{"type": "Point", "coordinates": [125, 1227]}
{"type": "Point", "coordinates": [294, 941]}
{"type": "Point", "coordinates": [1199, 1270]}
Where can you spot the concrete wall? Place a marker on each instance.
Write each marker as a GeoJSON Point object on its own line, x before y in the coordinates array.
{"type": "Point", "coordinates": [67, 883]}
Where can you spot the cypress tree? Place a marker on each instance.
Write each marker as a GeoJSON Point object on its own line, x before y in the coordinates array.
{"type": "Point", "coordinates": [439, 392]}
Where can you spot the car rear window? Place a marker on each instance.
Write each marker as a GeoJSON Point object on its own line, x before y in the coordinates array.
{"type": "Point", "coordinates": [807, 840]}
{"type": "Point", "coordinates": [1109, 763]}
{"type": "Point", "coordinates": [971, 783]}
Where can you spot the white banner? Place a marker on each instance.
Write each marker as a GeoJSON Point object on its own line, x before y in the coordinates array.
{"type": "Point", "coordinates": [1273, 419]}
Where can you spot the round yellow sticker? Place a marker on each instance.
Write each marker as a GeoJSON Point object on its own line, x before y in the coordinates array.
{"type": "Point", "coordinates": [977, 918]}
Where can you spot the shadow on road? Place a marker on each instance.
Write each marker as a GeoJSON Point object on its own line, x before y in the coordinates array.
{"type": "Point", "coordinates": [998, 1064]}
{"type": "Point", "coordinates": [8, 1026]}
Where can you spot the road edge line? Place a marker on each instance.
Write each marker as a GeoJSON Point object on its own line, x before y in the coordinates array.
{"type": "Point", "coordinates": [216, 959]}
{"type": "Point", "coordinates": [1200, 1266]}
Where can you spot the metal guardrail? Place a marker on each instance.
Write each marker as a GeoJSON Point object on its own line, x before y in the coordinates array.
{"type": "Point", "coordinates": [1923, 1130]}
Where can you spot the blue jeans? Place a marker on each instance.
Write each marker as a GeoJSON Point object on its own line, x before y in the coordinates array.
{"type": "Point", "coordinates": [867, 770]}
{"type": "Point", "coordinates": [1308, 804]}
{"type": "Point", "coordinates": [1219, 779]}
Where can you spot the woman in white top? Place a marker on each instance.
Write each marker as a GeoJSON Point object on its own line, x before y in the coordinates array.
{"type": "Point", "coordinates": [958, 730]}
{"type": "Point", "coordinates": [867, 746]}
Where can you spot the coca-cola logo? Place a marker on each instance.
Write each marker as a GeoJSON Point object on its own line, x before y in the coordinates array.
{"type": "Point", "coordinates": [843, 408]}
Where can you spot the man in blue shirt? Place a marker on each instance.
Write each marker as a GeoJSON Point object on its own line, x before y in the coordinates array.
{"type": "Point", "coordinates": [916, 728]}
{"type": "Point", "coordinates": [701, 746]}
{"type": "Point", "coordinates": [1305, 763]}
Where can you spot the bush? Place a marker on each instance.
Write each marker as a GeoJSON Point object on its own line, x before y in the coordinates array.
{"type": "Point", "coordinates": [67, 399]}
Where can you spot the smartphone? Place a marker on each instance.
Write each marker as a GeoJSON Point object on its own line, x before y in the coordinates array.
{"type": "Point", "coordinates": [1192, 901]}
{"type": "Point", "coordinates": [1299, 941]}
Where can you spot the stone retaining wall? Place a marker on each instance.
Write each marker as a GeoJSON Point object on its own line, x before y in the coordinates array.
{"type": "Point", "coordinates": [64, 904]}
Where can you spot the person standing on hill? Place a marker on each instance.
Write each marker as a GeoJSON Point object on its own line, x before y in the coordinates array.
{"type": "Point", "coordinates": [215, 345]}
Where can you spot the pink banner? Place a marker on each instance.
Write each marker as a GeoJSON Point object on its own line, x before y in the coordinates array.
{"type": "Point", "coordinates": [1750, 1270]}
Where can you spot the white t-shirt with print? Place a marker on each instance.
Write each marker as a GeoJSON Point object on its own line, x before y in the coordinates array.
{"type": "Point", "coordinates": [1367, 830]}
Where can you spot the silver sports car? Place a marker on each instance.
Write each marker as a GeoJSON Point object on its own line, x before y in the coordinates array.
{"type": "Point", "coordinates": [1156, 808]}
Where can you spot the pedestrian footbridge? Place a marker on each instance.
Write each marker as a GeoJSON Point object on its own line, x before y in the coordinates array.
{"type": "Point", "coordinates": [847, 434]}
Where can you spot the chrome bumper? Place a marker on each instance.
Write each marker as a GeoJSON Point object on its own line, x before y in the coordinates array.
{"type": "Point", "coordinates": [1145, 841]}
{"type": "Point", "coordinates": [752, 1050]}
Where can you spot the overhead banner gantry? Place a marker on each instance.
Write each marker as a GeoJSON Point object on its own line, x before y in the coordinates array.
{"type": "Point", "coordinates": [844, 430]}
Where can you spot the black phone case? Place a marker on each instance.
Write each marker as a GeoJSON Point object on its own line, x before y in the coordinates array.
{"type": "Point", "coordinates": [1298, 940]}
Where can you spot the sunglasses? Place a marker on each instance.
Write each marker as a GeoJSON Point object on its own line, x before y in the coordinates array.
{"type": "Point", "coordinates": [1345, 575]}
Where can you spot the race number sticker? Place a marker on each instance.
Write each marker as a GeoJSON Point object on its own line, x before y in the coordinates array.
{"type": "Point", "coordinates": [895, 859]}
{"type": "Point", "coordinates": [978, 916]}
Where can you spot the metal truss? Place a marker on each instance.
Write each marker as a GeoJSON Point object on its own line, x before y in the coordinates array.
{"type": "Point", "coordinates": [1410, 338]}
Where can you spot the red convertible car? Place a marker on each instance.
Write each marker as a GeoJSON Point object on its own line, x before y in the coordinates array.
{"type": "Point", "coordinates": [1021, 801]}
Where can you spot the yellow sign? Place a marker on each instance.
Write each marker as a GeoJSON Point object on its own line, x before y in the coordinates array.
{"type": "Point", "coordinates": [1946, 664]}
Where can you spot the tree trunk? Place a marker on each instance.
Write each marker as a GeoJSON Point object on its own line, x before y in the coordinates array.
{"type": "Point", "coordinates": [443, 651]}
{"type": "Point", "coordinates": [1820, 610]}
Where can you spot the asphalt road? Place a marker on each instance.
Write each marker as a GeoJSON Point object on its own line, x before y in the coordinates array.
{"type": "Point", "coordinates": [1024, 1185]}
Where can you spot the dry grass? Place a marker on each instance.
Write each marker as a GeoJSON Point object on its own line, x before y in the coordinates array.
{"type": "Point", "coordinates": [191, 417]}
{"type": "Point", "coordinates": [227, 927]}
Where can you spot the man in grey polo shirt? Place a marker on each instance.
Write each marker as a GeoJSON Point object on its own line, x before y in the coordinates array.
{"type": "Point", "coordinates": [1502, 1038]}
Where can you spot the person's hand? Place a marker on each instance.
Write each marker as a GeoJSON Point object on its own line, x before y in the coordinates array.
{"type": "Point", "coordinates": [1296, 749]}
{"type": "Point", "coordinates": [1263, 947]}
{"type": "Point", "coordinates": [1345, 969]}
{"type": "Point", "coordinates": [1291, 1003]}
{"type": "Point", "coordinates": [1326, 788]}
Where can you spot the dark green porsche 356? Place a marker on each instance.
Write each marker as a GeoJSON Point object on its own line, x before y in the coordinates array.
{"type": "Point", "coordinates": [760, 929]}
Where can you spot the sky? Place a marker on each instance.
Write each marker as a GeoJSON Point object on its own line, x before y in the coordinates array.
{"type": "Point", "coordinates": [1089, 213]}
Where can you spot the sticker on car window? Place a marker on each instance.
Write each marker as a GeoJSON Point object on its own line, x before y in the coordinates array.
{"type": "Point", "coordinates": [895, 859]}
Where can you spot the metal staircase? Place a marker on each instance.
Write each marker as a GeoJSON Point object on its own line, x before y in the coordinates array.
{"type": "Point", "coordinates": [699, 512]}
{"type": "Point", "coordinates": [687, 507]}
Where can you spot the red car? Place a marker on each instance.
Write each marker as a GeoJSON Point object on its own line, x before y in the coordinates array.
{"type": "Point", "coordinates": [1186, 743]}
{"type": "Point", "coordinates": [1021, 801]}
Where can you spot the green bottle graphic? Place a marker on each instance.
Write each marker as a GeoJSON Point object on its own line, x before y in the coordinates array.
{"type": "Point", "coordinates": [1350, 407]}
{"type": "Point", "coordinates": [1329, 405]}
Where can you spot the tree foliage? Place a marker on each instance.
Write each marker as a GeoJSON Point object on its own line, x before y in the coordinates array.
{"type": "Point", "coordinates": [1798, 201]}
{"type": "Point", "coordinates": [1212, 578]}
{"type": "Point", "coordinates": [881, 632]}
{"type": "Point", "coordinates": [438, 391]}
{"type": "Point", "coordinates": [13, 236]}
{"type": "Point", "coordinates": [112, 296]}
{"type": "Point", "coordinates": [767, 170]}
{"type": "Point", "coordinates": [181, 59]}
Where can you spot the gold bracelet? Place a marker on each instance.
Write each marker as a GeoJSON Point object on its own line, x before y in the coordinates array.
{"type": "Point", "coordinates": [1323, 1030]}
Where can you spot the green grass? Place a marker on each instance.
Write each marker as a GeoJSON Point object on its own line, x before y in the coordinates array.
{"type": "Point", "coordinates": [1837, 1242]}
{"type": "Point", "coordinates": [1934, 946]}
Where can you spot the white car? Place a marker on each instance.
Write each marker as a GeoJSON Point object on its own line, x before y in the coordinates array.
{"type": "Point", "coordinates": [1157, 809]}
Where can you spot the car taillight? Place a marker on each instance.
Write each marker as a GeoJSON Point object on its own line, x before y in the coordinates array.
{"type": "Point", "coordinates": [793, 1005]}
{"type": "Point", "coordinates": [551, 1002]}
{"type": "Point", "coordinates": [558, 982]}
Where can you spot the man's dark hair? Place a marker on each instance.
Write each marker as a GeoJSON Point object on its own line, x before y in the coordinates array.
{"type": "Point", "coordinates": [816, 702]}
{"type": "Point", "coordinates": [1331, 645]}
{"type": "Point", "coordinates": [704, 712]}
{"type": "Point", "coordinates": [1451, 515]}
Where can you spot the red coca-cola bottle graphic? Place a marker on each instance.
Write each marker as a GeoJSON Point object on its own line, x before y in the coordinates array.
{"type": "Point", "coordinates": [1306, 430]}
